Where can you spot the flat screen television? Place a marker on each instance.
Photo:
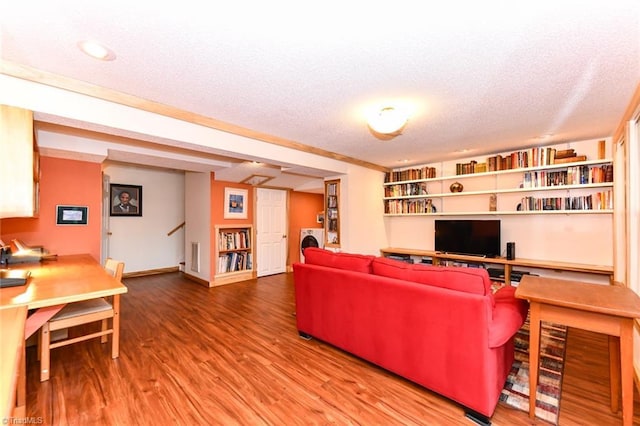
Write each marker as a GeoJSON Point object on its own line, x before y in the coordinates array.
{"type": "Point", "coordinates": [473, 237]}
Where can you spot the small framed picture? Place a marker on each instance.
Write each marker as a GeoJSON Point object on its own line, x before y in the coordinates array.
{"type": "Point", "coordinates": [235, 203]}
{"type": "Point", "coordinates": [72, 215]}
{"type": "Point", "coordinates": [125, 200]}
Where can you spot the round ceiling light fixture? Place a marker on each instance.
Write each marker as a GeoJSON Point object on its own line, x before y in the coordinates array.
{"type": "Point", "coordinates": [96, 50]}
{"type": "Point", "coordinates": [388, 121]}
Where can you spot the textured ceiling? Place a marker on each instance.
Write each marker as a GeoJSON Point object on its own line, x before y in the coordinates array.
{"type": "Point", "coordinates": [479, 76]}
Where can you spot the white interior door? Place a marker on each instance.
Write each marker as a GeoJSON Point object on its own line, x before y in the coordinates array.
{"type": "Point", "coordinates": [271, 231]}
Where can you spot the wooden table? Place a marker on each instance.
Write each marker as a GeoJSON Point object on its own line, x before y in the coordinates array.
{"type": "Point", "coordinates": [53, 284]}
{"type": "Point", "coordinates": [600, 308]}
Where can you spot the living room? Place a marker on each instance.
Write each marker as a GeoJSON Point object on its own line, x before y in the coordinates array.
{"type": "Point", "coordinates": [365, 229]}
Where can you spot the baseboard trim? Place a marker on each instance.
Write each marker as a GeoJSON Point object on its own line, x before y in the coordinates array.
{"type": "Point", "coordinates": [197, 280]}
{"type": "Point", "coordinates": [150, 272]}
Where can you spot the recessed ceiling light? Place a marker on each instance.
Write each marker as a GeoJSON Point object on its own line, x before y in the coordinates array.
{"type": "Point", "coordinates": [97, 50]}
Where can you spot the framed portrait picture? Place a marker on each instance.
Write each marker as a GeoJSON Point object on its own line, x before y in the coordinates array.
{"type": "Point", "coordinates": [235, 203]}
{"type": "Point", "coordinates": [72, 215]}
{"type": "Point", "coordinates": [125, 200]}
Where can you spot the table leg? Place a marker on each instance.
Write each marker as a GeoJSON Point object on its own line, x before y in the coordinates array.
{"type": "Point", "coordinates": [21, 391]}
{"type": "Point", "coordinates": [614, 372]}
{"type": "Point", "coordinates": [626, 367]}
{"type": "Point", "coordinates": [507, 274]}
{"type": "Point", "coordinates": [534, 355]}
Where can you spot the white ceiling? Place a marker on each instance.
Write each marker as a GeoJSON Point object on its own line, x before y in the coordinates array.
{"type": "Point", "coordinates": [479, 76]}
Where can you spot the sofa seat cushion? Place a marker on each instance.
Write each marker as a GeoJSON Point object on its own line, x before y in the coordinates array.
{"type": "Point", "coordinates": [469, 280]}
{"type": "Point", "coordinates": [348, 261]}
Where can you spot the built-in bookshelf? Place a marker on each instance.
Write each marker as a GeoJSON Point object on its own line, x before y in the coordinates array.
{"type": "Point", "coordinates": [332, 213]}
{"type": "Point", "coordinates": [234, 254]}
{"type": "Point", "coordinates": [534, 181]}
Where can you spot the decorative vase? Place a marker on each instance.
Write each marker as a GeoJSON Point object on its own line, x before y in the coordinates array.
{"type": "Point", "coordinates": [456, 187]}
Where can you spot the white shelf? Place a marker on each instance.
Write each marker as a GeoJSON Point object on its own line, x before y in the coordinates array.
{"type": "Point", "coordinates": [506, 213]}
{"type": "Point", "coordinates": [504, 191]}
{"type": "Point", "coordinates": [507, 171]}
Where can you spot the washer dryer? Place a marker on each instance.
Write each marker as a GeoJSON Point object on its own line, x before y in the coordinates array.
{"type": "Point", "coordinates": [310, 237]}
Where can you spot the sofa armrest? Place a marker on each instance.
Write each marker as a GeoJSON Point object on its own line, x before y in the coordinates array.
{"type": "Point", "coordinates": [509, 314]}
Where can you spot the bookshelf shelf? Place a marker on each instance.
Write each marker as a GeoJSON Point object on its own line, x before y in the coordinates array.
{"type": "Point", "coordinates": [507, 213]}
{"type": "Point", "coordinates": [332, 213]}
{"type": "Point", "coordinates": [580, 187]}
{"type": "Point", "coordinates": [506, 191]}
{"type": "Point", "coordinates": [234, 254]}
{"type": "Point", "coordinates": [505, 172]}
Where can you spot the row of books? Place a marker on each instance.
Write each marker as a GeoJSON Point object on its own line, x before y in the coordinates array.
{"type": "Point", "coordinates": [471, 167]}
{"type": "Point", "coordinates": [598, 201]}
{"type": "Point", "coordinates": [236, 261]}
{"type": "Point", "coordinates": [533, 157]}
{"type": "Point", "coordinates": [401, 190]}
{"type": "Point", "coordinates": [420, 205]}
{"type": "Point", "coordinates": [575, 175]}
{"type": "Point", "coordinates": [234, 240]}
{"type": "Point", "coordinates": [410, 174]}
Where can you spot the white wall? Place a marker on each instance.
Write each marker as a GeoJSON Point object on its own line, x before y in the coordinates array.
{"type": "Point", "coordinates": [198, 228]}
{"type": "Point", "coordinates": [142, 242]}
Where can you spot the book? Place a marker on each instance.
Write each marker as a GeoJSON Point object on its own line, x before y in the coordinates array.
{"type": "Point", "coordinates": [565, 153]}
{"type": "Point", "coordinates": [570, 159]}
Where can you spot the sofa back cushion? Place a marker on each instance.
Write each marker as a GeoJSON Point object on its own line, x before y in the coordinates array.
{"type": "Point", "coordinates": [469, 280]}
{"type": "Point", "coordinates": [348, 261]}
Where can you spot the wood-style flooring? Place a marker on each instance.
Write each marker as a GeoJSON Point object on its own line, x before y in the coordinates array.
{"type": "Point", "coordinates": [231, 355]}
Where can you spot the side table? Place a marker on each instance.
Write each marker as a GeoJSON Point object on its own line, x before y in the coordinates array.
{"type": "Point", "coordinates": [607, 309]}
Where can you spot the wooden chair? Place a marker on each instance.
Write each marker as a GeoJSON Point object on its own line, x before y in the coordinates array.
{"type": "Point", "coordinates": [79, 313]}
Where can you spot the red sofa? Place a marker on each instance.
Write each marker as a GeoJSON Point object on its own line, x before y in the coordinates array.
{"type": "Point", "coordinates": [440, 327]}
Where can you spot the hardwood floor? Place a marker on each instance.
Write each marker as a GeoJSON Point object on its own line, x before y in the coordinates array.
{"type": "Point", "coordinates": [231, 355]}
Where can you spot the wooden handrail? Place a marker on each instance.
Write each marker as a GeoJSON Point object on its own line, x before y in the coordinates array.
{"type": "Point", "coordinates": [175, 229]}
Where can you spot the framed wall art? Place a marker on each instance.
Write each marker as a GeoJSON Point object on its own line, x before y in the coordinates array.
{"type": "Point", "coordinates": [72, 215]}
{"type": "Point", "coordinates": [235, 203]}
{"type": "Point", "coordinates": [125, 200]}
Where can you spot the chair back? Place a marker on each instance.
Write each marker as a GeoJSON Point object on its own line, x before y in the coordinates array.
{"type": "Point", "coordinates": [114, 268]}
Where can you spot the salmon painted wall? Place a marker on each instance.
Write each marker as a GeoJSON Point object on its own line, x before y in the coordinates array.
{"type": "Point", "coordinates": [303, 209]}
{"type": "Point", "coordinates": [217, 212]}
{"type": "Point", "coordinates": [62, 182]}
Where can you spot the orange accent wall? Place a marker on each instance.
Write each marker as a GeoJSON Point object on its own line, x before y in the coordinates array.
{"type": "Point", "coordinates": [217, 212]}
{"type": "Point", "coordinates": [303, 209]}
{"type": "Point", "coordinates": [62, 182]}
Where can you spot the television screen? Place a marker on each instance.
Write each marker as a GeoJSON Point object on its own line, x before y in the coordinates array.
{"type": "Point", "coordinates": [473, 237]}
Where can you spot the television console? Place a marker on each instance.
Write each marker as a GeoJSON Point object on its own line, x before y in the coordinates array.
{"type": "Point", "coordinates": [437, 257]}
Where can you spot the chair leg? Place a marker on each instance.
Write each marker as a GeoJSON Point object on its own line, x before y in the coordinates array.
{"type": "Point", "coordinates": [115, 322]}
{"type": "Point", "coordinates": [45, 352]}
{"type": "Point", "coordinates": [105, 324]}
